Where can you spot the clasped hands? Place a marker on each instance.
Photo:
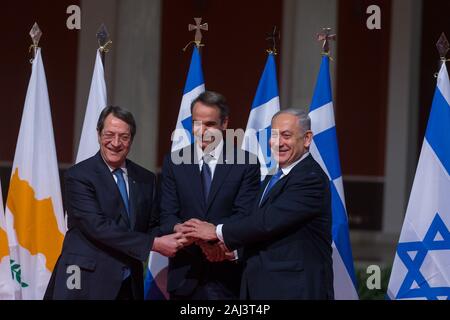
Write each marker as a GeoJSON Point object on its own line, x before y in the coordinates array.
{"type": "Point", "coordinates": [204, 235]}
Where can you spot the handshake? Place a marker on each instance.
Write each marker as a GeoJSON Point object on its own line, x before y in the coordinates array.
{"type": "Point", "coordinates": [198, 232]}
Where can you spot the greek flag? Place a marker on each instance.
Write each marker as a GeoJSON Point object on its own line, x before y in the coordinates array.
{"type": "Point", "coordinates": [421, 267]}
{"type": "Point", "coordinates": [325, 151]}
{"type": "Point", "coordinates": [265, 104]}
{"type": "Point", "coordinates": [195, 85]}
{"type": "Point", "coordinates": [155, 282]}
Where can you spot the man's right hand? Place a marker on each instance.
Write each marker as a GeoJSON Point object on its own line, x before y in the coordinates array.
{"type": "Point", "coordinates": [168, 245]}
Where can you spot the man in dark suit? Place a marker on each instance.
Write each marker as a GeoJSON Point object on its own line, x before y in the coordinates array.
{"type": "Point", "coordinates": [112, 220]}
{"type": "Point", "coordinates": [213, 181]}
{"type": "Point", "coordinates": [287, 238]}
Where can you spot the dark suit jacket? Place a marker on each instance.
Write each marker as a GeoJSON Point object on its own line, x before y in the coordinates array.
{"type": "Point", "coordinates": [101, 239]}
{"type": "Point", "coordinates": [232, 194]}
{"type": "Point", "coordinates": [287, 239]}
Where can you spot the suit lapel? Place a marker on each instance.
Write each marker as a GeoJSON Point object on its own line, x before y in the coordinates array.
{"type": "Point", "coordinates": [277, 187]}
{"type": "Point", "coordinates": [220, 174]}
{"type": "Point", "coordinates": [133, 196]}
{"type": "Point", "coordinates": [194, 180]}
{"type": "Point", "coordinates": [261, 190]}
{"type": "Point", "coordinates": [280, 184]}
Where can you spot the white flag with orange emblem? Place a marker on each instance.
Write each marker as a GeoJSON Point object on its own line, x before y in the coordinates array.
{"type": "Point", "coordinates": [34, 211]}
{"type": "Point", "coordinates": [6, 284]}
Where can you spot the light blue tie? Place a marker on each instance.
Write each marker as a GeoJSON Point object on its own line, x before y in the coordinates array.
{"type": "Point", "coordinates": [122, 188]}
{"type": "Point", "coordinates": [271, 183]}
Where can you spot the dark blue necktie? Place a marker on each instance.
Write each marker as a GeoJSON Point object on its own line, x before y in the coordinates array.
{"type": "Point", "coordinates": [271, 183]}
{"type": "Point", "coordinates": [206, 176]}
{"type": "Point", "coordinates": [122, 188]}
{"type": "Point", "coordinates": [123, 192]}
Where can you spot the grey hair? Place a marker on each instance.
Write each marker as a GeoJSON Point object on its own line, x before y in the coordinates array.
{"type": "Point", "coordinates": [120, 113]}
{"type": "Point", "coordinates": [304, 120]}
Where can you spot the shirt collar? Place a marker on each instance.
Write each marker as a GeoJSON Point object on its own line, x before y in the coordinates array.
{"type": "Point", "coordinates": [111, 169]}
{"type": "Point", "coordinates": [292, 165]}
{"type": "Point", "coordinates": [215, 153]}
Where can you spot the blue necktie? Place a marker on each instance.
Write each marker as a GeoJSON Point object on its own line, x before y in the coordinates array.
{"type": "Point", "coordinates": [271, 183]}
{"type": "Point", "coordinates": [122, 188]}
{"type": "Point", "coordinates": [206, 176]}
{"type": "Point", "coordinates": [123, 192]}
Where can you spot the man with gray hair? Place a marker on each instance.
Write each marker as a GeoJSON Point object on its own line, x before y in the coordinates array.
{"type": "Point", "coordinates": [287, 238]}
{"type": "Point", "coordinates": [113, 220]}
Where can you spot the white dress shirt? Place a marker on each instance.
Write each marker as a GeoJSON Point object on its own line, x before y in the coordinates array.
{"type": "Point", "coordinates": [125, 175]}
{"type": "Point", "coordinates": [214, 157]}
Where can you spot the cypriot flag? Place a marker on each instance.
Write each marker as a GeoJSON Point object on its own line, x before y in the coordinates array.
{"type": "Point", "coordinates": [34, 211]}
{"type": "Point", "coordinates": [6, 283]}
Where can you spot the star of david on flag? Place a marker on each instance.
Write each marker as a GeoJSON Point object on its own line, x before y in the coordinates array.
{"type": "Point", "coordinates": [421, 267]}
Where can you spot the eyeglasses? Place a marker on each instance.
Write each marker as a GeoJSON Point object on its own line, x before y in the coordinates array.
{"type": "Point", "coordinates": [109, 136]}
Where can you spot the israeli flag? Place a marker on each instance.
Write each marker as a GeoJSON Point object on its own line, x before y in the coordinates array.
{"type": "Point", "coordinates": [421, 267]}
{"type": "Point", "coordinates": [155, 282]}
{"type": "Point", "coordinates": [265, 104]}
{"type": "Point", "coordinates": [195, 85]}
{"type": "Point", "coordinates": [325, 151]}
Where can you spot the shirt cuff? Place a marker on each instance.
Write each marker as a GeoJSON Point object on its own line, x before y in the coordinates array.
{"type": "Point", "coordinates": [219, 232]}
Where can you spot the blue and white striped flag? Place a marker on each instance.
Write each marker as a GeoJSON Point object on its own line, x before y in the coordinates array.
{"type": "Point", "coordinates": [194, 86]}
{"type": "Point", "coordinates": [155, 284]}
{"type": "Point", "coordinates": [265, 104]}
{"type": "Point", "coordinates": [421, 267]}
{"type": "Point", "coordinates": [325, 151]}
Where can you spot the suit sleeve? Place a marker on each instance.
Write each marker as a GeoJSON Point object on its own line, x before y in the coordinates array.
{"type": "Point", "coordinates": [170, 206]}
{"type": "Point", "coordinates": [246, 196]}
{"type": "Point", "coordinates": [153, 226]}
{"type": "Point", "coordinates": [85, 214]}
{"type": "Point", "coordinates": [300, 201]}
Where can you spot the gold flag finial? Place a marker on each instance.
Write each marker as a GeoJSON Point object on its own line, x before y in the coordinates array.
{"type": "Point", "coordinates": [442, 46]}
{"type": "Point", "coordinates": [273, 37]}
{"type": "Point", "coordinates": [198, 27]}
{"type": "Point", "coordinates": [35, 34]}
{"type": "Point", "coordinates": [104, 42]}
{"type": "Point", "coordinates": [326, 37]}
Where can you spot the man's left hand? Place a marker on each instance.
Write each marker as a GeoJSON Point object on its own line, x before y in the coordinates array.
{"type": "Point", "coordinates": [200, 230]}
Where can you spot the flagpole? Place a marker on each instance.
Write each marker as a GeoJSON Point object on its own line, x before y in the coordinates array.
{"type": "Point", "coordinates": [104, 42]}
